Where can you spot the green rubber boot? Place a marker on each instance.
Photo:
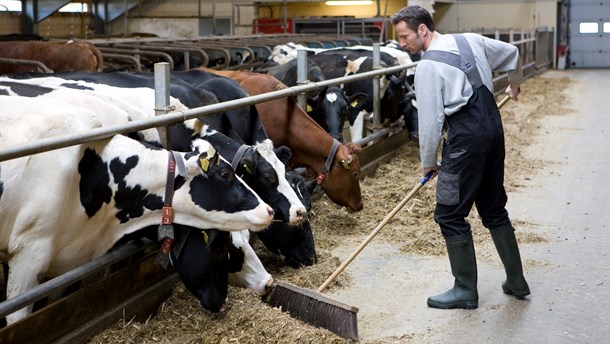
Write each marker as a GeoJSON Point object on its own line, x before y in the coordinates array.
{"type": "Point", "coordinates": [460, 249]}
{"type": "Point", "coordinates": [506, 244]}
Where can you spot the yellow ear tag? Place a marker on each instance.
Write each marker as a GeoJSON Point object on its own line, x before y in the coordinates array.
{"type": "Point", "coordinates": [206, 238]}
{"type": "Point", "coordinates": [309, 108]}
{"type": "Point", "coordinates": [248, 169]}
{"type": "Point", "coordinates": [205, 164]}
{"type": "Point", "coordinates": [346, 164]}
{"type": "Point", "coordinates": [354, 103]}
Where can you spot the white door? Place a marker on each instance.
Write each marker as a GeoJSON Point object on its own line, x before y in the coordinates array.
{"type": "Point", "coordinates": [589, 37]}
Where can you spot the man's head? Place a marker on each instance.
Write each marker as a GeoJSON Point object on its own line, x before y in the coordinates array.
{"type": "Point", "coordinates": [414, 28]}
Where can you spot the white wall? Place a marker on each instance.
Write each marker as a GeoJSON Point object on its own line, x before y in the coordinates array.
{"type": "Point", "coordinates": [523, 15]}
{"type": "Point", "coordinates": [180, 19]}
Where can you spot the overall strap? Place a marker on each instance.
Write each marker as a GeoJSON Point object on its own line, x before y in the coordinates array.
{"type": "Point", "coordinates": [464, 61]}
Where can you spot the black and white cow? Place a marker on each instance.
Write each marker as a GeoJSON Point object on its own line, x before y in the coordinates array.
{"type": "Point", "coordinates": [97, 192]}
{"type": "Point", "coordinates": [295, 244]}
{"type": "Point", "coordinates": [136, 90]}
{"type": "Point", "coordinates": [328, 106]}
{"type": "Point", "coordinates": [396, 101]}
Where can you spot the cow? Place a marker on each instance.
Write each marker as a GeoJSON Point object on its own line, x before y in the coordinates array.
{"type": "Point", "coordinates": [57, 56]}
{"type": "Point", "coordinates": [293, 243]}
{"type": "Point", "coordinates": [336, 165]}
{"type": "Point", "coordinates": [251, 274]}
{"type": "Point", "coordinates": [328, 106]}
{"type": "Point", "coordinates": [396, 100]}
{"type": "Point", "coordinates": [280, 196]}
{"type": "Point", "coordinates": [99, 191]}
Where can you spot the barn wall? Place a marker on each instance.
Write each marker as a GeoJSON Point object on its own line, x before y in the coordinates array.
{"type": "Point", "coordinates": [317, 9]}
{"type": "Point", "coordinates": [9, 23]}
{"type": "Point", "coordinates": [180, 19]}
{"type": "Point", "coordinates": [467, 16]}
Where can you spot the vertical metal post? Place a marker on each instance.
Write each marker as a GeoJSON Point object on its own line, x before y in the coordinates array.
{"type": "Point", "coordinates": [376, 88]}
{"type": "Point", "coordinates": [162, 99]}
{"type": "Point", "coordinates": [187, 60]}
{"type": "Point", "coordinates": [302, 76]}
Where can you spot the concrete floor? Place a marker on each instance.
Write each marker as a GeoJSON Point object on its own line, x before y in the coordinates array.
{"type": "Point", "coordinates": [569, 276]}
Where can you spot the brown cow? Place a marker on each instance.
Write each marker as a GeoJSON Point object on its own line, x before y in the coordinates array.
{"type": "Point", "coordinates": [58, 56]}
{"type": "Point", "coordinates": [287, 124]}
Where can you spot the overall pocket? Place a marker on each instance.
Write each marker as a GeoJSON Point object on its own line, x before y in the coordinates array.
{"type": "Point", "coordinates": [448, 188]}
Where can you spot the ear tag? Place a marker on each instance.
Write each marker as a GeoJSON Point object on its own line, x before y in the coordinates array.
{"type": "Point", "coordinates": [346, 164]}
{"type": "Point", "coordinates": [211, 152]}
{"type": "Point", "coordinates": [205, 164]}
{"type": "Point", "coordinates": [248, 169]}
{"type": "Point", "coordinates": [309, 108]}
{"type": "Point", "coordinates": [354, 103]}
{"type": "Point", "coordinates": [206, 238]}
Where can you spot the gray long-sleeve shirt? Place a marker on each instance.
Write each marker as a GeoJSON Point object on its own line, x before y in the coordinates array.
{"type": "Point", "coordinates": [443, 89]}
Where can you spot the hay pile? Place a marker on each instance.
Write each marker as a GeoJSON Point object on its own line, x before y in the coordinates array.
{"type": "Point", "coordinates": [248, 320]}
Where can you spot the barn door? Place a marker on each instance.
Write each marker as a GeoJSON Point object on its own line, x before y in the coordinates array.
{"type": "Point", "coordinates": [589, 45]}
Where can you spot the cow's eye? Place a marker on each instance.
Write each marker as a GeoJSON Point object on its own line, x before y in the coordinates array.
{"type": "Point", "coordinates": [226, 175]}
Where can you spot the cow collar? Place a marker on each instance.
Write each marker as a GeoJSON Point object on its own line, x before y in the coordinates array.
{"type": "Point", "coordinates": [165, 231]}
{"type": "Point", "coordinates": [329, 161]}
{"type": "Point", "coordinates": [238, 156]}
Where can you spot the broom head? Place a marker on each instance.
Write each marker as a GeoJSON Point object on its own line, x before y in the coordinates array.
{"type": "Point", "coordinates": [315, 309]}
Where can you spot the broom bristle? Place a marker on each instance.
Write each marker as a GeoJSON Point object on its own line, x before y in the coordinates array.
{"type": "Point", "coordinates": [316, 309]}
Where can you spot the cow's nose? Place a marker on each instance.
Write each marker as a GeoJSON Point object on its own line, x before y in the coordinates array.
{"type": "Point", "coordinates": [301, 214]}
{"type": "Point", "coordinates": [270, 211]}
{"type": "Point", "coordinates": [268, 286]}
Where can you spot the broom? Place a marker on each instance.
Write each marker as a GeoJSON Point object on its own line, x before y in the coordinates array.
{"type": "Point", "coordinates": [318, 310]}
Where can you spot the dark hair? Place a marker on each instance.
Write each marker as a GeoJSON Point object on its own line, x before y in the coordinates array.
{"type": "Point", "coordinates": [413, 16]}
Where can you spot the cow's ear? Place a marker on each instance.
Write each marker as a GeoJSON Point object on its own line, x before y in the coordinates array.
{"type": "Point", "coordinates": [193, 166]}
{"type": "Point", "coordinates": [310, 185]}
{"type": "Point", "coordinates": [357, 101]}
{"type": "Point", "coordinates": [247, 162]}
{"type": "Point", "coordinates": [283, 153]}
{"type": "Point", "coordinates": [353, 148]}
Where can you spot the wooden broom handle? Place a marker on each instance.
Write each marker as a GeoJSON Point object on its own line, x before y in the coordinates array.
{"type": "Point", "coordinates": [503, 101]}
{"type": "Point", "coordinates": [374, 233]}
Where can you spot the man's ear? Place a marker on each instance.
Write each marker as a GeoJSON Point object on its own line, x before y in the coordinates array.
{"type": "Point", "coordinates": [422, 29]}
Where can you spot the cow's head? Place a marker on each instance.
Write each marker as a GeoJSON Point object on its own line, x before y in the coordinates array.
{"type": "Point", "coordinates": [263, 169]}
{"type": "Point", "coordinates": [390, 103]}
{"type": "Point", "coordinates": [251, 274]}
{"type": "Point", "coordinates": [203, 264]}
{"type": "Point", "coordinates": [408, 108]}
{"type": "Point", "coordinates": [341, 184]}
{"type": "Point", "coordinates": [294, 244]}
{"type": "Point", "coordinates": [215, 188]}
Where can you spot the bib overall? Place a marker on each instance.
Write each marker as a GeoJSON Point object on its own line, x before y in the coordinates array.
{"type": "Point", "coordinates": [472, 165]}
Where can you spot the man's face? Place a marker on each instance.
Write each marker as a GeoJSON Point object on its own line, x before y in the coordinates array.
{"type": "Point", "coordinates": [408, 38]}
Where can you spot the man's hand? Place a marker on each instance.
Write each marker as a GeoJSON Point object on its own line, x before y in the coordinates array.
{"type": "Point", "coordinates": [513, 91]}
{"type": "Point", "coordinates": [426, 170]}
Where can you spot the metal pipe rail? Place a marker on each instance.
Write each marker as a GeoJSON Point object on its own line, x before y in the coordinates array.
{"type": "Point", "coordinates": [62, 141]}
{"type": "Point", "coordinates": [41, 66]}
{"type": "Point", "coordinates": [41, 291]}
{"type": "Point", "coordinates": [139, 52]}
{"type": "Point", "coordinates": [123, 58]}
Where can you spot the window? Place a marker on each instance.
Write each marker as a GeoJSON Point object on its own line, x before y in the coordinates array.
{"type": "Point", "coordinates": [15, 6]}
{"type": "Point", "coordinates": [10, 5]}
{"type": "Point", "coordinates": [607, 27]}
{"type": "Point", "coordinates": [588, 27]}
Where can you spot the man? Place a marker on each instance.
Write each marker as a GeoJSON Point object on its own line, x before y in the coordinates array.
{"type": "Point", "coordinates": [454, 88]}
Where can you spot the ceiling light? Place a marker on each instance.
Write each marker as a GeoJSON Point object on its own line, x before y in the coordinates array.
{"type": "Point", "coordinates": [349, 2]}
